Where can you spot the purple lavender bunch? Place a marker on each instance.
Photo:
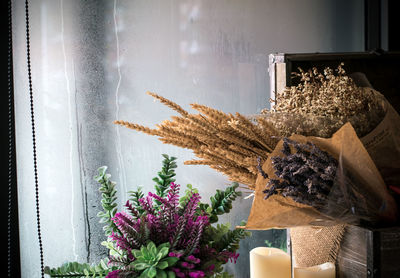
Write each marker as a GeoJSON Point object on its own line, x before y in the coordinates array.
{"type": "Point", "coordinates": [311, 176]}
{"type": "Point", "coordinates": [307, 174]}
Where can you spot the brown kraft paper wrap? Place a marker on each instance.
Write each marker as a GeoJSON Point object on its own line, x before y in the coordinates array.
{"type": "Point", "coordinates": [383, 145]}
{"type": "Point", "coordinates": [280, 212]}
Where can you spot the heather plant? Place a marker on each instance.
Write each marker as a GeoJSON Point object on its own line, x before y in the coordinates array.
{"type": "Point", "coordinates": [162, 234]}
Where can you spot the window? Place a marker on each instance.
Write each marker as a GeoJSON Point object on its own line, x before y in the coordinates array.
{"type": "Point", "coordinates": [93, 61]}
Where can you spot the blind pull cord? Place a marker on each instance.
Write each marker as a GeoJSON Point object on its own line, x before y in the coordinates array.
{"type": "Point", "coordinates": [28, 60]}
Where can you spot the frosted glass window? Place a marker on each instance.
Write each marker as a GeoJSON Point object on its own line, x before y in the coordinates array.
{"type": "Point", "coordinates": [93, 61]}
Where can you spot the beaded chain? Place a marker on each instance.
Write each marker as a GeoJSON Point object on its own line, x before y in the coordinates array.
{"type": "Point", "coordinates": [28, 59]}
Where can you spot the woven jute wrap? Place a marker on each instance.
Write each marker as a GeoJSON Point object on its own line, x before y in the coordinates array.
{"type": "Point", "coordinates": [316, 245]}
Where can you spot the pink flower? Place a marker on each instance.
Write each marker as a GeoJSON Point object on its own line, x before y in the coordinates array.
{"type": "Point", "coordinates": [196, 274]}
{"type": "Point", "coordinates": [229, 256]}
{"type": "Point", "coordinates": [113, 274]}
{"type": "Point", "coordinates": [178, 272]}
{"type": "Point", "coordinates": [193, 259]}
{"type": "Point", "coordinates": [233, 257]}
{"type": "Point", "coordinates": [211, 267]}
{"type": "Point", "coordinates": [187, 265]}
{"type": "Point", "coordinates": [172, 254]}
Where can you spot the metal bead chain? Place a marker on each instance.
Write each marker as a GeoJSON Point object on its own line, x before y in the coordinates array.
{"type": "Point", "coordinates": [10, 141]}
{"type": "Point", "coordinates": [28, 58]}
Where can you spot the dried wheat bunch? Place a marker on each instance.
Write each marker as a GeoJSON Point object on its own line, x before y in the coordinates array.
{"type": "Point", "coordinates": [228, 143]}
{"type": "Point", "coordinates": [322, 102]}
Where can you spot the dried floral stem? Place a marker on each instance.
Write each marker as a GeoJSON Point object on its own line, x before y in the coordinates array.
{"type": "Point", "coordinates": [322, 102]}
{"type": "Point", "coordinates": [228, 143]}
{"type": "Point", "coordinates": [169, 103]}
{"type": "Point", "coordinates": [212, 114]}
{"type": "Point", "coordinates": [138, 128]}
{"type": "Point", "coordinates": [198, 162]}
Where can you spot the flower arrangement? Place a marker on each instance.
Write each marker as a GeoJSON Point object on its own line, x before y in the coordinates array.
{"type": "Point", "coordinates": [232, 144]}
{"type": "Point", "coordinates": [162, 234]}
{"type": "Point", "coordinates": [310, 176]}
{"type": "Point", "coordinates": [314, 159]}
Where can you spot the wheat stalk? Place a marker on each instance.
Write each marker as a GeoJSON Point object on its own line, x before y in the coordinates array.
{"type": "Point", "coordinates": [227, 143]}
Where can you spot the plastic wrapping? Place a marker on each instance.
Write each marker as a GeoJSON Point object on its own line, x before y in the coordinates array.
{"type": "Point", "coordinates": [355, 192]}
{"type": "Point", "coordinates": [383, 145]}
{"type": "Point", "coordinates": [378, 130]}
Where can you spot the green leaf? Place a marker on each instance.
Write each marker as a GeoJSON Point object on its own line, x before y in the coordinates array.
{"type": "Point", "coordinates": [171, 274]}
{"type": "Point", "coordinates": [165, 177]}
{"type": "Point", "coordinates": [101, 171]}
{"type": "Point", "coordinates": [162, 265]}
{"type": "Point", "coordinates": [144, 274]}
{"type": "Point", "coordinates": [103, 264]}
{"type": "Point", "coordinates": [145, 252]}
{"type": "Point", "coordinates": [108, 200]}
{"type": "Point", "coordinates": [75, 266]}
{"type": "Point", "coordinates": [213, 218]}
{"type": "Point", "coordinates": [139, 265]}
{"type": "Point", "coordinates": [161, 274]}
{"type": "Point", "coordinates": [163, 251]}
{"type": "Point", "coordinates": [162, 245]}
{"type": "Point", "coordinates": [152, 272]}
{"type": "Point", "coordinates": [213, 201]}
{"type": "Point", "coordinates": [220, 210]}
{"type": "Point", "coordinates": [158, 257]}
{"type": "Point", "coordinates": [151, 247]}
{"type": "Point", "coordinates": [171, 260]}
{"type": "Point", "coordinates": [136, 253]}
{"type": "Point", "coordinates": [75, 269]}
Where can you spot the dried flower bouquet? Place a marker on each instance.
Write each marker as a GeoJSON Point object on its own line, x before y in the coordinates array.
{"type": "Point", "coordinates": [313, 177]}
{"type": "Point", "coordinates": [321, 181]}
{"type": "Point", "coordinates": [238, 146]}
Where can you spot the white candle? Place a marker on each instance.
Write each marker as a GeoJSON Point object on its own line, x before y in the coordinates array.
{"type": "Point", "coordinates": [326, 270]}
{"type": "Point", "coordinates": [269, 263]}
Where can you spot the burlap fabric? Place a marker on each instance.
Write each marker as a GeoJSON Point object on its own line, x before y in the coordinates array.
{"type": "Point", "coordinates": [316, 245]}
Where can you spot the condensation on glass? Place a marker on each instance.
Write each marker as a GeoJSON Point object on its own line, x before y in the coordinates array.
{"type": "Point", "coordinates": [93, 61]}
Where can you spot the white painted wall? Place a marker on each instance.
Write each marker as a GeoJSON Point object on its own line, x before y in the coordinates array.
{"type": "Point", "coordinates": [92, 63]}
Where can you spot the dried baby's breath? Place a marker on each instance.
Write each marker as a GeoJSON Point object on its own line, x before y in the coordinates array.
{"type": "Point", "coordinates": [322, 102]}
